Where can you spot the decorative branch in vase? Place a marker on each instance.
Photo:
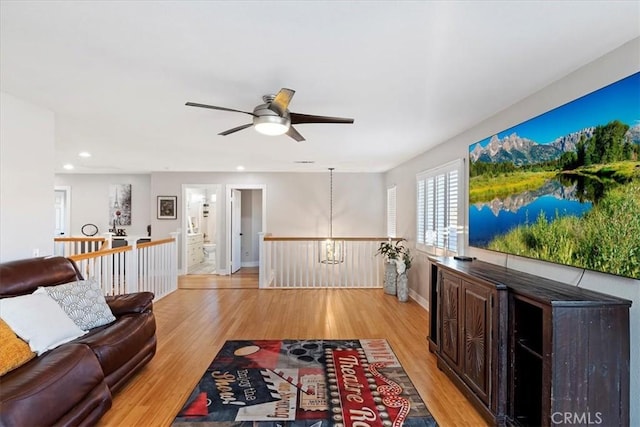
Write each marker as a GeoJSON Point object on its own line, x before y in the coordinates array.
{"type": "Point", "coordinates": [397, 261]}
{"type": "Point", "coordinates": [403, 263]}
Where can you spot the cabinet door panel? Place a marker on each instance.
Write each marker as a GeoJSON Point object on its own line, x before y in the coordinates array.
{"type": "Point", "coordinates": [450, 312]}
{"type": "Point", "coordinates": [477, 333]}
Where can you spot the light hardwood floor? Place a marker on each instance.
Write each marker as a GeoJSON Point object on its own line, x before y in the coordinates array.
{"type": "Point", "coordinates": [245, 278]}
{"type": "Point", "coordinates": [192, 325]}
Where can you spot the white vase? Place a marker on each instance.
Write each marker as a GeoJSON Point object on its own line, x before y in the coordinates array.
{"type": "Point", "coordinates": [390, 278]}
{"type": "Point", "coordinates": [403, 287]}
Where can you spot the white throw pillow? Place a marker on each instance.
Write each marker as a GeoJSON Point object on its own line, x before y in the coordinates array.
{"type": "Point", "coordinates": [83, 301]}
{"type": "Point", "coordinates": [39, 320]}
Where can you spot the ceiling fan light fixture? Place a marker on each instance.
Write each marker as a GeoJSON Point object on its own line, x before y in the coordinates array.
{"type": "Point", "coordinates": [271, 125]}
{"type": "Point", "coordinates": [273, 117]}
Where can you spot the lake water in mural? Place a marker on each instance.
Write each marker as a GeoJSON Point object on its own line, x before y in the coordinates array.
{"type": "Point", "coordinates": [488, 222]}
{"type": "Point", "coordinates": [564, 187]}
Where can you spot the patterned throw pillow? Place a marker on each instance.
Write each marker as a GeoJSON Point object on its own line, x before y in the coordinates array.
{"type": "Point", "coordinates": [83, 301]}
{"type": "Point", "coordinates": [14, 352]}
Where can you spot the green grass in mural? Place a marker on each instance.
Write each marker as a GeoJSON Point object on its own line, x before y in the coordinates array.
{"type": "Point", "coordinates": [606, 238]}
{"type": "Point", "coordinates": [618, 171]}
{"type": "Point", "coordinates": [483, 188]}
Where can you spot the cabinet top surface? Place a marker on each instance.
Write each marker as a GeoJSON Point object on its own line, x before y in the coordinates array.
{"type": "Point", "coordinates": [545, 290]}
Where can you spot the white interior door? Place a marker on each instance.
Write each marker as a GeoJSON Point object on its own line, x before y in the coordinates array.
{"type": "Point", "coordinates": [236, 233]}
{"type": "Point", "coordinates": [62, 217]}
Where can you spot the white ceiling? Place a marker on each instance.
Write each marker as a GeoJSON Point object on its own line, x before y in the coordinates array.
{"type": "Point", "coordinates": [412, 74]}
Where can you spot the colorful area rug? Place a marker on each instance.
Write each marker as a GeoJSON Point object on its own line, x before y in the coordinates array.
{"type": "Point", "coordinates": [310, 383]}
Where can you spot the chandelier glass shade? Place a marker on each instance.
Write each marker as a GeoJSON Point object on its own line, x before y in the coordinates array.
{"type": "Point", "coordinates": [332, 251]}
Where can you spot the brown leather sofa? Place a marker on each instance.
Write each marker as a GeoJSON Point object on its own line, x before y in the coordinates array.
{"type": "Point", "coordinates": [72, 385]}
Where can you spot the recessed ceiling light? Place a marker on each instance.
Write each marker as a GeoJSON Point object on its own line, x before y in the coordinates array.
{"type": "Point", "coordinates": [68, 166]}
{"type": "Point", "coordinates": [84, 154]}
{"type": "Point", "coordinates": [239, 168]}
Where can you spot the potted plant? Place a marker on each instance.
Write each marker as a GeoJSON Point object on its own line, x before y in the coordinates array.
{"type": "Point", "coordinates": [391, 252]}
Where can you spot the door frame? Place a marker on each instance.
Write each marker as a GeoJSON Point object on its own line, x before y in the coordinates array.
{"type": "Point", "coordinates": [227, 195]}
{"type": "Point", "coordinates": [67, 207]}
{"type": "Point", "coordinates": [235, 227]}
{"type": "Point", "coordinates": [184, 229]}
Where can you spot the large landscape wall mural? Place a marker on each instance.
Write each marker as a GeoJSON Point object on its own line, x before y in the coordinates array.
{"type": "Point", "coordinates": [564, 186]}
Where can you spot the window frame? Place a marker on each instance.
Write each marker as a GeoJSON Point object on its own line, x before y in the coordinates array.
{"type": "Point", "coordinates": [428, 183]}
{"type": "Point", "coordinates": [392, 211]}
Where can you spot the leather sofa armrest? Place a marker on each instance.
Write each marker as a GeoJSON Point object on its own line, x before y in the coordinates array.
{"type": "Point", "coordinates": [137, 302]}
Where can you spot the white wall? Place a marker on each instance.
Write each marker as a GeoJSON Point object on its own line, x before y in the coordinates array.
{"type": "Point", "coordinates": [297, 204]}
{"type": "Point", "coordinates": [27, 143]}
{"type": "Point", "coordinates": [90, 201]}
{"type": "Point", "coordinates": [612, 67]}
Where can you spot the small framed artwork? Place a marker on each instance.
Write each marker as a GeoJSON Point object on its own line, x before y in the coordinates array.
{"type": "Point", "coordinates": [167, 207]}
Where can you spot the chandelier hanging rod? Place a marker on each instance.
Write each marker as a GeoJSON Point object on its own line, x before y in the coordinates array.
{"type": "Point", "coordinates": [331, 203]}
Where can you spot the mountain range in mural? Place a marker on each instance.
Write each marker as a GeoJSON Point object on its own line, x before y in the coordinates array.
{"type": "Point", "coordinates": [523, 151]}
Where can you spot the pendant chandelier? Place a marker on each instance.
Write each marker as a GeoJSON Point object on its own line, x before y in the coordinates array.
{"type": "Point", "coordinates": [331, 250]}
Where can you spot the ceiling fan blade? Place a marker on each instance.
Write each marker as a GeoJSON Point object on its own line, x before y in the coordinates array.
{"type": "Point", "coordinates": [293, 133]}
{"type": "Point", "coordinates": [281, 102]}
{"type": "Point", "coordinates": [297, 118]}
{"type": "Point", "coordinates": [236, 129]}
{"type": "Point", "coordinates": [213, 107]}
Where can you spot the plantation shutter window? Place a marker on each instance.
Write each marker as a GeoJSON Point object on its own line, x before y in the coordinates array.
{"type": "Point", "coordinates": [391, 211]}
{"type": "Point", "coordinates": [438, 208]}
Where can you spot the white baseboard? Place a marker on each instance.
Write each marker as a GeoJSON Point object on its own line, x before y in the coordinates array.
{"type": "Point", "coordinates": [250, 264]}
{"type": "Point", "coordinates": [422, 302]}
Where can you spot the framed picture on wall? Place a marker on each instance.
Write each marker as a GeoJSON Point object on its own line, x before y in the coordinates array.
{"type": "Point", "coordinates": [167, 207]}
{"type": "Point", "coordinates": [120, 204]}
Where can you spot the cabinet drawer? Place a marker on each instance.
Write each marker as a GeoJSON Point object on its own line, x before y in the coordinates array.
{"type": "Point", "coordinates": [195, 239]}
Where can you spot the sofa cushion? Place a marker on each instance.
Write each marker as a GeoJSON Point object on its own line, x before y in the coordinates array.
{"type": "Point", "coordinates": [122, 340]}
{"type": "Point", "coordinates": [23, 276]}
{"type": "Point", "coordinates": [14, 352]}
{"type": "Point", "coordinates": [49, 387]}
{"type": "Point", "coordinates": [83, 301]}
{"type": "Point", "coordinates": [39, 320]}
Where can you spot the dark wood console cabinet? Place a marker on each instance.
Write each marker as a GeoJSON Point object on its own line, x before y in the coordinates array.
{"type": "Point", "coordinates": [529, 351]}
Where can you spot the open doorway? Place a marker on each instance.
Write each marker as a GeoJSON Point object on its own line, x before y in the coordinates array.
{"type": "Point", "coordinates": [245, 220]}
{"type": "Point", "coordinates": [202, 224]}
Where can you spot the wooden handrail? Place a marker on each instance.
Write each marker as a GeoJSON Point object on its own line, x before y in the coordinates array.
{"type": "Point", "coordinates": [79, 239]}
{"type": "Point", "coordinates": [156, 242]}
{"type": "Point", "coordinates": [96, 254]}
{"type": "Point", "coordinates": [103, 252]}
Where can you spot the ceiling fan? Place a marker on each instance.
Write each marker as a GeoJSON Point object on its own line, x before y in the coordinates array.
{"type": "Point", "coordinates": [274, 118]}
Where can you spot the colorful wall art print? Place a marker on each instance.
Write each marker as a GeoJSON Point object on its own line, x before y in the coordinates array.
{"type": "Point", "coordinates": [564, 186]}
{"type": "Point", "coordinates": [120, 204]}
